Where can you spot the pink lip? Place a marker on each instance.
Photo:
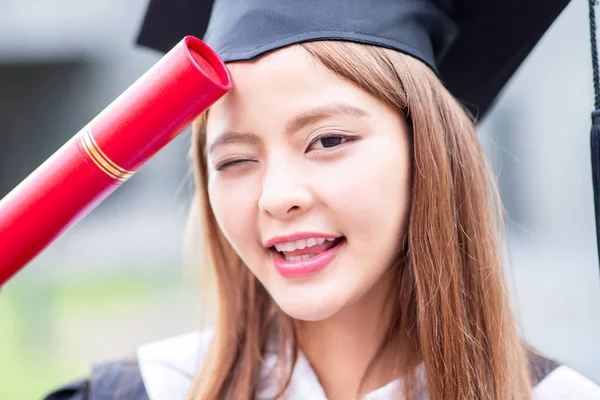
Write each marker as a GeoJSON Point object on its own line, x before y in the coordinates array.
{"type": "Point", "coordinates": [299, 269]}
{"type": "Point", "coordinates": [297, 236]}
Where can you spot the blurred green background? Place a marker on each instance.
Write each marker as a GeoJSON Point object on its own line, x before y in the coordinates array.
{"type": "Point", "coordinates": [49, 334]}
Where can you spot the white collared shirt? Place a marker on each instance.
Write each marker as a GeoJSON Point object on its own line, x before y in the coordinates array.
{"type": "Point", "coordinates": [167, 368]}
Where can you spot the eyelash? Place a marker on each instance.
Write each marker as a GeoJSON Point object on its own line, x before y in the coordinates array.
{"type": "Point", "coordinates": [227, 164]}
{"type": "Point", "coordinates": [345, 138]}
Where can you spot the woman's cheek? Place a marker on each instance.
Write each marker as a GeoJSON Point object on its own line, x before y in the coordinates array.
{"type": "Point", "coordinates": [234, 204]}
{"type": "Point", "coordinates": [369, 191]}
{"type": "Point", "coordinates": [354, 183]}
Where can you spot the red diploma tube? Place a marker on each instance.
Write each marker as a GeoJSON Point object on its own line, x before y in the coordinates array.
{"type": "Point", "coordinates": [108, 150]}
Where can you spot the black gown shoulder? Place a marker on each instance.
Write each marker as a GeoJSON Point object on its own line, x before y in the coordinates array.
{"type": "Point", "coordinates": [117, 380]}
{"type": "Point", "coordinates": [539, 366]}
{"type": "Point", "coordinates": [122, 380]}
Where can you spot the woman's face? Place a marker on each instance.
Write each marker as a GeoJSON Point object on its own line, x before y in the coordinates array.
{"type": "Point", "coordinates": [309, 180]}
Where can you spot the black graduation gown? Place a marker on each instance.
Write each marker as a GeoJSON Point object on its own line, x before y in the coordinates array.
{"type": "Point", "coordinates": [118, 380]}
{"type": "Point", "coordinates": [121, 380]}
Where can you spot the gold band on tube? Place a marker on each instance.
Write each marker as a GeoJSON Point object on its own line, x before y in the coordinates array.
{"type": "Point", "coordinates": [101, 160]}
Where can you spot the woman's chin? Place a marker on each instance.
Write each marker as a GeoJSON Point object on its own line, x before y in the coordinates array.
{"type": "Point", "coordinates": [309, 309]}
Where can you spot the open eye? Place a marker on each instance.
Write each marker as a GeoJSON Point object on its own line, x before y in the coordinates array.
{"type": "Point", "coordinates": [329, 140]}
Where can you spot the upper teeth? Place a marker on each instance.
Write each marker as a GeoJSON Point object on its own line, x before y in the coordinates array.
{"type": "Point", "coordinates": [301, 244]}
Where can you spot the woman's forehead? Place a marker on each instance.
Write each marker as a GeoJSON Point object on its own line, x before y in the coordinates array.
{"type": "Point", "coordinates": [281, 85]}
{"type": "Point", "coordinates": [286, 74]}
{"type": "Point", "coordinates": [291, 60]}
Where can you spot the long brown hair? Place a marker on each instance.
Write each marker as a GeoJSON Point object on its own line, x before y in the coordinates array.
{"type": "Point", "coordinates": [452, 305]}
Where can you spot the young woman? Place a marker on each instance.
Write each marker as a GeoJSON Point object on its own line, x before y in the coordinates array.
{"type": "Point", "coordinates": [352, 227]}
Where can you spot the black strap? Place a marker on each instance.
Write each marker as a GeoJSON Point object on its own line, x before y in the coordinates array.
{"type": "Point", "coordinates": [594, 47]}
{"type": "Point", "coordinates": [595, 131]}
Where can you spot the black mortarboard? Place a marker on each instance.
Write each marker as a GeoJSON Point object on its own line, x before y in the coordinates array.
{"type": "Point", "coordinates": [474, 45]}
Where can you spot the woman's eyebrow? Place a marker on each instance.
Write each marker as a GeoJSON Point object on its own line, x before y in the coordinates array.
{"type": "Point", "coordinates": [320, 113]}
{"type": "Point", "coordinates": [233, 137]}
{"type": "Point", "coordinates": [294, 125]}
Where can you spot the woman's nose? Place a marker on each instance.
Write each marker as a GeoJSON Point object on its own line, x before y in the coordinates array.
{"type": "Point", "coordinates": [284, 194]}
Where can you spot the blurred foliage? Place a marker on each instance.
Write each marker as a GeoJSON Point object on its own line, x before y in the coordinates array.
{"type": "Point", "coordinates": [29, 368]}
{"type": "Point", "coordinates": [38, 323]}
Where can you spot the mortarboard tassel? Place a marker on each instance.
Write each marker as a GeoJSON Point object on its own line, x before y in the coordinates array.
{"type": "Point", "coordinates": [595, 131]}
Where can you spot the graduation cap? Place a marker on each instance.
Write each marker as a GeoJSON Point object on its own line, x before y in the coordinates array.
{"type": "Point", "coordinates": [474, 46]}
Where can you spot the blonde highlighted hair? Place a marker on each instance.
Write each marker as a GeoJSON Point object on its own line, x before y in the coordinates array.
{"type": "Point", "coordinates": [452, 306]}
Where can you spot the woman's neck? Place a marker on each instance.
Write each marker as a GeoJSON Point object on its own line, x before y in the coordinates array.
{"type": "Point", "coordinates": [341, 347]}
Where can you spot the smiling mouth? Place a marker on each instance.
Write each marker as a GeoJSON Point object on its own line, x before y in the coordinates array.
{"type": "Point", "coordinates": [296, 252]}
